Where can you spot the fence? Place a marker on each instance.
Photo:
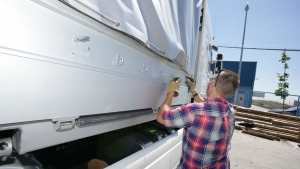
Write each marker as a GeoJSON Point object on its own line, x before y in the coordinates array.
{"type": "Point", "coordinates": [268, 100]}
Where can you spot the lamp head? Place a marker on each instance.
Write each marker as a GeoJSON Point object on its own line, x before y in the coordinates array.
{"type": "Point", "coordinates": [247, 7]}
{"type": "Point", "coordinates": [220, 56]}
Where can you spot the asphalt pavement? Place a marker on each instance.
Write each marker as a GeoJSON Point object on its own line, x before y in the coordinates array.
{"type": "Point", "coordinates": [251, 152]}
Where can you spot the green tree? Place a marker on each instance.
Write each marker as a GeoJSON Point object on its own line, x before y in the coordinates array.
{"type": "Point", "coordinates": [283, 85]}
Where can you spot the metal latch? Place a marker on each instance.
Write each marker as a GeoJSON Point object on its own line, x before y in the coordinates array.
{"type": "Point", "coordinates": [5, 147]}
{"type": "Point", "coordinates": [162, 52]}
{"type": "Point", "coordinates": [145, 68]}
{"type": "Point", "coordinates": [155, 110]}
{"type": "Point", "coordinates": [120, 60]}
{"type": "Point", "coordinates": [81, 39]}
{"type": "Point", "coordinates": [161, 74]}
{"type": "Point", "coordinates": [64, 124]}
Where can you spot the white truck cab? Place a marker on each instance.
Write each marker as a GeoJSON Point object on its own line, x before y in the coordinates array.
{"type": "Point", "coordinates": [84, 79]}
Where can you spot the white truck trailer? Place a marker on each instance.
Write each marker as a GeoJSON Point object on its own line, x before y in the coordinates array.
{"type": "Point", "coordinates": [84, 79]}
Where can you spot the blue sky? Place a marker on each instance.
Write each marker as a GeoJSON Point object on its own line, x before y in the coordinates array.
{"type": "Point", "coordinates": [270, 24]}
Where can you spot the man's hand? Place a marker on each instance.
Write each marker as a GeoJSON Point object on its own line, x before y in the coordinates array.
{"type": "Point", "coordinates": [191, 84]}
{"type": "Point", "coordinates": [172, 92]}
{"type": "Point", "coordinates": [192, 88]}
{"type": "Point", "coordinates": [173, 86]}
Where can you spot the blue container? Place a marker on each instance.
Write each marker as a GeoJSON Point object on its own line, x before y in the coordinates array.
{"type": "Point", "coordinates": [248, 73]}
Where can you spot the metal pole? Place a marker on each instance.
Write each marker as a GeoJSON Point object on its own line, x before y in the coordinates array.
{"type": "Point", "coordinates": [241, 58]}
{"type": "Point", "coordinates": [297, 110]}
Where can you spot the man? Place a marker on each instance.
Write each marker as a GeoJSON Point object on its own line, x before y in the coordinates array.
{"type": "Point", "coordinates": [208, 123]}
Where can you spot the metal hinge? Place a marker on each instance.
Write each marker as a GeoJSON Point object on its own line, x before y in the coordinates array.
{"type": "Point", "coordinates": [65, 123]}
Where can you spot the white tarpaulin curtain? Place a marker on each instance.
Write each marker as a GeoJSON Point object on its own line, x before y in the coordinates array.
{"type": "Point", "coordinates": [168, 27]}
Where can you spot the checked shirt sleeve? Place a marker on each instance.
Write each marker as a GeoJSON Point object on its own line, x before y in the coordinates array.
{"type": "Point", "coordinates": [181, 117]}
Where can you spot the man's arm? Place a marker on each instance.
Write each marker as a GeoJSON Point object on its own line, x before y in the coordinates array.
{"type": "Point", "coordinates": [172, 92]}
{"type": "Point", "coordinates": [166, 105]}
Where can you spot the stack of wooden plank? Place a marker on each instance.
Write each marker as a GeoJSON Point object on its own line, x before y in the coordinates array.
{"type": "Point", "coordinates": [269, 125]}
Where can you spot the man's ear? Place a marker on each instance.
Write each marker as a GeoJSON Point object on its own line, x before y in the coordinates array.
{"type": "Point", "coordinates": [212, 84]}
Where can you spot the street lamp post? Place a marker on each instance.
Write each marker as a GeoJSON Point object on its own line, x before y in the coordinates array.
{"type": "Point", "coordinates": [241, 58]}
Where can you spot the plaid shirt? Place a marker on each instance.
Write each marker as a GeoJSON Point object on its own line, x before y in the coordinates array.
{"type": "Point", "coordinates": [208, 128]}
